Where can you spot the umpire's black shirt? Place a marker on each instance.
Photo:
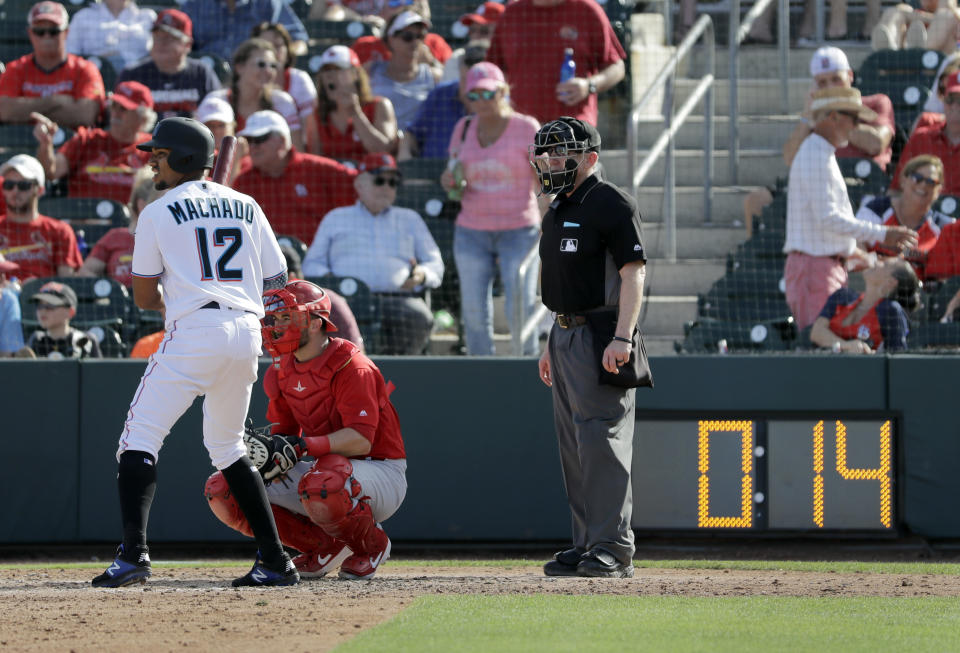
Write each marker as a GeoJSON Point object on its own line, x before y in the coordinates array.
{"type": "Point", "coordinates": [587, 237]}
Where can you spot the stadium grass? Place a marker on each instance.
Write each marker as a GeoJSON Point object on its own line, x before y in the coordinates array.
{"type": "Point", "coordinates": [845, 567]}
{"type": "Point", "coordinates": [505, 624]}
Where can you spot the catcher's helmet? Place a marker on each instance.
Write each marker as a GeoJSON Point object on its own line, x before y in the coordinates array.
{"type": "Point", "coordinates": [556, 141]}
{"type": "Point", "coordinates": [287, 310]}
{"type": "Point", "coordinates": [190, 143]}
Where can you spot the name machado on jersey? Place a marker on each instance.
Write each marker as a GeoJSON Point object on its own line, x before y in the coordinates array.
{"type": "Point", "coordinates": [213, 206]}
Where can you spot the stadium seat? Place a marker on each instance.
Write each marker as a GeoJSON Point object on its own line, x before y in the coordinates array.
{"type": "Point", "coordinates": [138, 323]}
{"type": "Point", "coordinates": [295, 243]}
{"type": "Point", "coordinates": [101, 301]}
{"type": "Point", "coordinates": [87, 211]}
{"type": "Point", "coordinates": [363, 303]}
{"type": "Point", "coordinates": [111, 345]}
{"type": "Point", "coordinates": [220, 66]}
{"type": "Point", "coordinates": [708, 336]}
{"type": "Point", "coordinates": [864, 178]}
{"type": "Point", "coordinates": [9, 51]}
{"type": "Point", "coordinates": [324, 33]}
{"type": "Point", "coordinates": [934, 335]}
{"type": "Point", "coordinates": [948, 205]}
{"type": "Point", "coordinates": [905, 76]}
{"type": "Point", "coordinates": [422, 169]}
{"type": "Point", "coordinates": [107, 71]}
{"type": "Point", "coordinates": [19, 138]}
{"type": "Point", "coordinates": [447, 296]}
{"type": "Point", "coordinates": [936, 297]}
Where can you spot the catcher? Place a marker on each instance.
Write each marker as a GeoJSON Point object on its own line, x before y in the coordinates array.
{"type": "Point", "coordinates": [329, 402]}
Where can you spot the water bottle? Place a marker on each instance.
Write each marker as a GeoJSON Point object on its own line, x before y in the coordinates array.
{"type": "Point", "coordinates": [722, 346]}
{"type": "Point", "coordinates": [455, 194]}
{"type": "Point", "coordinates": [82, 243]}
{"type": "Point", "coordinates": [568, 69]}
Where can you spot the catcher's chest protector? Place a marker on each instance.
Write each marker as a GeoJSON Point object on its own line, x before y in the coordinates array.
{"type": "Point", "coordinates": [307, 391]}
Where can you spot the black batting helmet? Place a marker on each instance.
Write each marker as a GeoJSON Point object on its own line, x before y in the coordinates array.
{"type": "Point", "coordinates": [190, 143]}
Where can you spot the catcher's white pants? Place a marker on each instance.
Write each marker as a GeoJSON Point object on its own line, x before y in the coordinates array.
{"type": "Point", "coordinates": [210, 352]}
{"type": "Point", "coordinates": [384, 481]}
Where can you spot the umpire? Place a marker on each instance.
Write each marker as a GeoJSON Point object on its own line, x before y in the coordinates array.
{"type": "Point", "coordinates": [593, 265]}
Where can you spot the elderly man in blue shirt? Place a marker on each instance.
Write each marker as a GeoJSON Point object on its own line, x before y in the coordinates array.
{"type": "Point", "coordinates": [219, 26]}
{"type": "Point", "coordinates": [387, 247]}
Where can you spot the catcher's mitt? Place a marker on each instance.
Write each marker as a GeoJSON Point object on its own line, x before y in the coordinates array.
{"type": "Point", "coordinates": [272, 455]}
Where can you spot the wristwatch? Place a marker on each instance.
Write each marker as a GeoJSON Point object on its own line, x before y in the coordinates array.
{"type": "Point", "coordinates": [591, 86]}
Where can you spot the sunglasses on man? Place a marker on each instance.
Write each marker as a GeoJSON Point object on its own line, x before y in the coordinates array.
{"type": "Point", "coordinates": [25, 184]}
{"type": "Point", "coordinates": [409, 37]}
{"type": "Point", "coordinates": [920, 179]}
{"type": "Point", "coordinates": [485, 94]}
{"type": "Point", "coordinates": [46, 31]}
{"type": "Point", "coordinates": [392, 182]}
{"type": "Point", "coordinates": [259, 140]}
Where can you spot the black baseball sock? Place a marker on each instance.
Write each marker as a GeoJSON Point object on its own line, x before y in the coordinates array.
{"type": "Point", "coordinates": [137, 482]}
{"type": "Point", "coordinates": [247, 486]}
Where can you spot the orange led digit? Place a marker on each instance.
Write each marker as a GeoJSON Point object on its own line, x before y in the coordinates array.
{"type": "Point", "coordinates": [881, 474]}
{"type": "Point", "coordinates": [705, 428]}
{"type": "Point", "coordinates": [818, 474]}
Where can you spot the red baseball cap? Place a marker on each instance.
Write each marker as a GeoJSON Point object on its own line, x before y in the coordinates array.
{"type": "Point", "coordinates": [132, 95]}
{"type": "Point", "coordinates": [174, 21]}
{"type": "Point", "coordinates": [377, 161]}
{"type": "Point", "coordinates": [488, 12]}
{"type": "Point", "coordinates": [952, 83]}
{"type": "Point", "coordinates": [52, 11]}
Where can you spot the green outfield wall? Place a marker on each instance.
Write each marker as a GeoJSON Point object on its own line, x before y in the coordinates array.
{"type": "Point", "coordinates": [483, 464]}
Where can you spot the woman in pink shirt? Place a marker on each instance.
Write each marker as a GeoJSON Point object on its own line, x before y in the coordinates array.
{"type": "Point", "coordinates": [499, 220]}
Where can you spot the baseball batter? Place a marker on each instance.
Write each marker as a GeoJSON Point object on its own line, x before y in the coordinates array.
{"type": "Point", "coordinates": [330, 402]}
{"type": "Point", "coordinates": [203, 256]}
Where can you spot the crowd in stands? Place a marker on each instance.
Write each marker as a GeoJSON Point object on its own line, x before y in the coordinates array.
{"type": "Point", "coordinates": [318, 147]}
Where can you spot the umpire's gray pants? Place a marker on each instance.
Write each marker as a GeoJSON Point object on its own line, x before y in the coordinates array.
{"type": "Point", "coordinates": [595, 425]}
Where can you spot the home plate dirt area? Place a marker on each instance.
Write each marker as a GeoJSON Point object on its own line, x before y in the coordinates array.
{"type": "Point", "coordinates": [194, 608]}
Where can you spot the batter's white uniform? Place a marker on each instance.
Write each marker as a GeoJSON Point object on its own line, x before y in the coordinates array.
{"type": "Point", "coordinates": [212, 249]}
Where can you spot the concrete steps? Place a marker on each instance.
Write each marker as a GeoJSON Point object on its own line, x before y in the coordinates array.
{"type": "Point", "coordinates": [761, 166]}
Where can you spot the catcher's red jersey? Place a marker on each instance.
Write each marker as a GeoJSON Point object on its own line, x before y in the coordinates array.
{"type": "Point", "coordinates": [340, 388]}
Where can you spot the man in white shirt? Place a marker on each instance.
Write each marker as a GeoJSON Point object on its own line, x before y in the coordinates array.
{"type": "Point", "coordinates": [387, 247]}
{"type": "Point", "coordinates": [822, 231]}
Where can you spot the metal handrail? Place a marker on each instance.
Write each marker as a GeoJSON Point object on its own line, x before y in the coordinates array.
{"type": "Point", "coordinates": [665, 78]}
{"type": "Point", "coordinates": [738, 32]}
{"type": "Point", "coordinates": [522, 327]}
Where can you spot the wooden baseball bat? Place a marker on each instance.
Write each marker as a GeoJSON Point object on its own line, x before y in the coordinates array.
{"type": "Point", "coordinates": [224, 162]}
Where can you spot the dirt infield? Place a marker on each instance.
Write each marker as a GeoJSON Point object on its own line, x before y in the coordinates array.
{"type": "Point", "coordinates": [194, 609]}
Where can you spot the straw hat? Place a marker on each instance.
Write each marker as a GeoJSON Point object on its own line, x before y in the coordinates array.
{"type": "Point", "coordinates": [841, 99]}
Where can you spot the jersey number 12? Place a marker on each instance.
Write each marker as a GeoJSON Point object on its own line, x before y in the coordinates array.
{"type": "Point", "coordinates": [220, 238]}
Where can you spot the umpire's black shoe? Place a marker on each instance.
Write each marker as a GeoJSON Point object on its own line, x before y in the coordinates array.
{"type": "Point", "coordinates": [601, 563]}
{"type": "Point", "coordinates": [127, 569]}
{"type": "Point", "coordinates": [564, 563]}
{"type": "Point", "coordinates": [281, 574]}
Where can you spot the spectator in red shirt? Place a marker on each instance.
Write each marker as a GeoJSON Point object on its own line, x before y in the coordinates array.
{"type": "Point", "coordinates": [102, 162]}
{"type": "Point", "coordinates": [294, 189]}
{"type": "Point", "coordinates": [534, 77]}
{"type": "Point", "coordinates": [939, 140]}
{"type": "Point", "coordinates": [350, 121]}
{"type": "Point", "coordinates": [372, 49]}
{"type": "Point", "coordinates": [944, 259]}
{"type": "Point", "coordinates": [63, 86]}
{"type": "Point", "coordinates": [112, 255]}
{"type": "Point", "coordinates": [41, 246]}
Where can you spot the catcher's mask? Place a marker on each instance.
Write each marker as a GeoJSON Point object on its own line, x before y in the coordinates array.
{"type": "Point", "coordinates": [288, 311]}
{"type": "Point", "coordinates": [559, 141]}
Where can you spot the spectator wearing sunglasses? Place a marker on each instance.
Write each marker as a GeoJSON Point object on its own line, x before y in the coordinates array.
{"type": "Point", "coordinates": [921, 180]}
{"type": "Point", "coordinates": [405, 79]}
{"type": "Point", "coordinates": [480, 26]}
{"type": "Point", "coordinates": [350, 121]}
{"type": "Point", "coordinates": [102, 162]}
{"type": "Point", "coordinates": [371, 49]}
{"type": "Point", "coordinates": [295, 189]}
{"type": "Point", "coordinates": [295, 82]}
{"type": "Point", "coordinates": [50, 81]}
{"type": "Point", "coordinates": [41, 246]}
{"type": "Point", "coordinates": [115, 30]}
{"type": "Point", "coordinates": [499, 220]}
{"type": "Point", "coordinates": [942, 141]}
{"type": "Point", "coordinates": [387, 247]}
{"type": "Point", "coordinates": [221, 25]}
{"type": "Point", "coordinates": [255, 86]}
{"type": "Point", "coordinates": [428, 136]}
{"type": "Point", "coordinates": [822, 231]}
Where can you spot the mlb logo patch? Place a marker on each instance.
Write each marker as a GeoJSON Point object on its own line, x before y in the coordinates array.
{"type": "Point", "coordinates": [568, 245]}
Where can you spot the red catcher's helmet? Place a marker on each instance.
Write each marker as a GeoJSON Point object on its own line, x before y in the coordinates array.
{"type": "Point", "coordinates": [298, 300]}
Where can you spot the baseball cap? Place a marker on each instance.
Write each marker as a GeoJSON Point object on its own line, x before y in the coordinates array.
{"type": "Point", "coordinates": [132, 95]}
{"type": "Point", "coordinates": [175, 22]}
{"type": "Point", "coordinates": [486, 76]}
{"type": "Point", "coordinates": [8, 266]}
{"type": "Point", "coordinates": [27, 166]}
{"type": "Point", "coordinates": [475, 51]}
{"type": "Point", "coordinates": [377, 161]}
{"type": "Point", "coordinates": [264, 122]}
{"type": "Point", "coordinates": [828, 59]}
{"type": "Point", "coordinates": [214, 108]}
{"type": "Point", "coordinates": [406, 19]}
{"type": "Point", "coordinates": [488, 12]}
{"type": "Point", "coordinates": [952, 83]}
{"type": "Point", "coordinates": [340, 56]}
{"type": "Point", "coordinates": [56, 294]}
{"type": "Point", "coordinates": [52, 11]}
